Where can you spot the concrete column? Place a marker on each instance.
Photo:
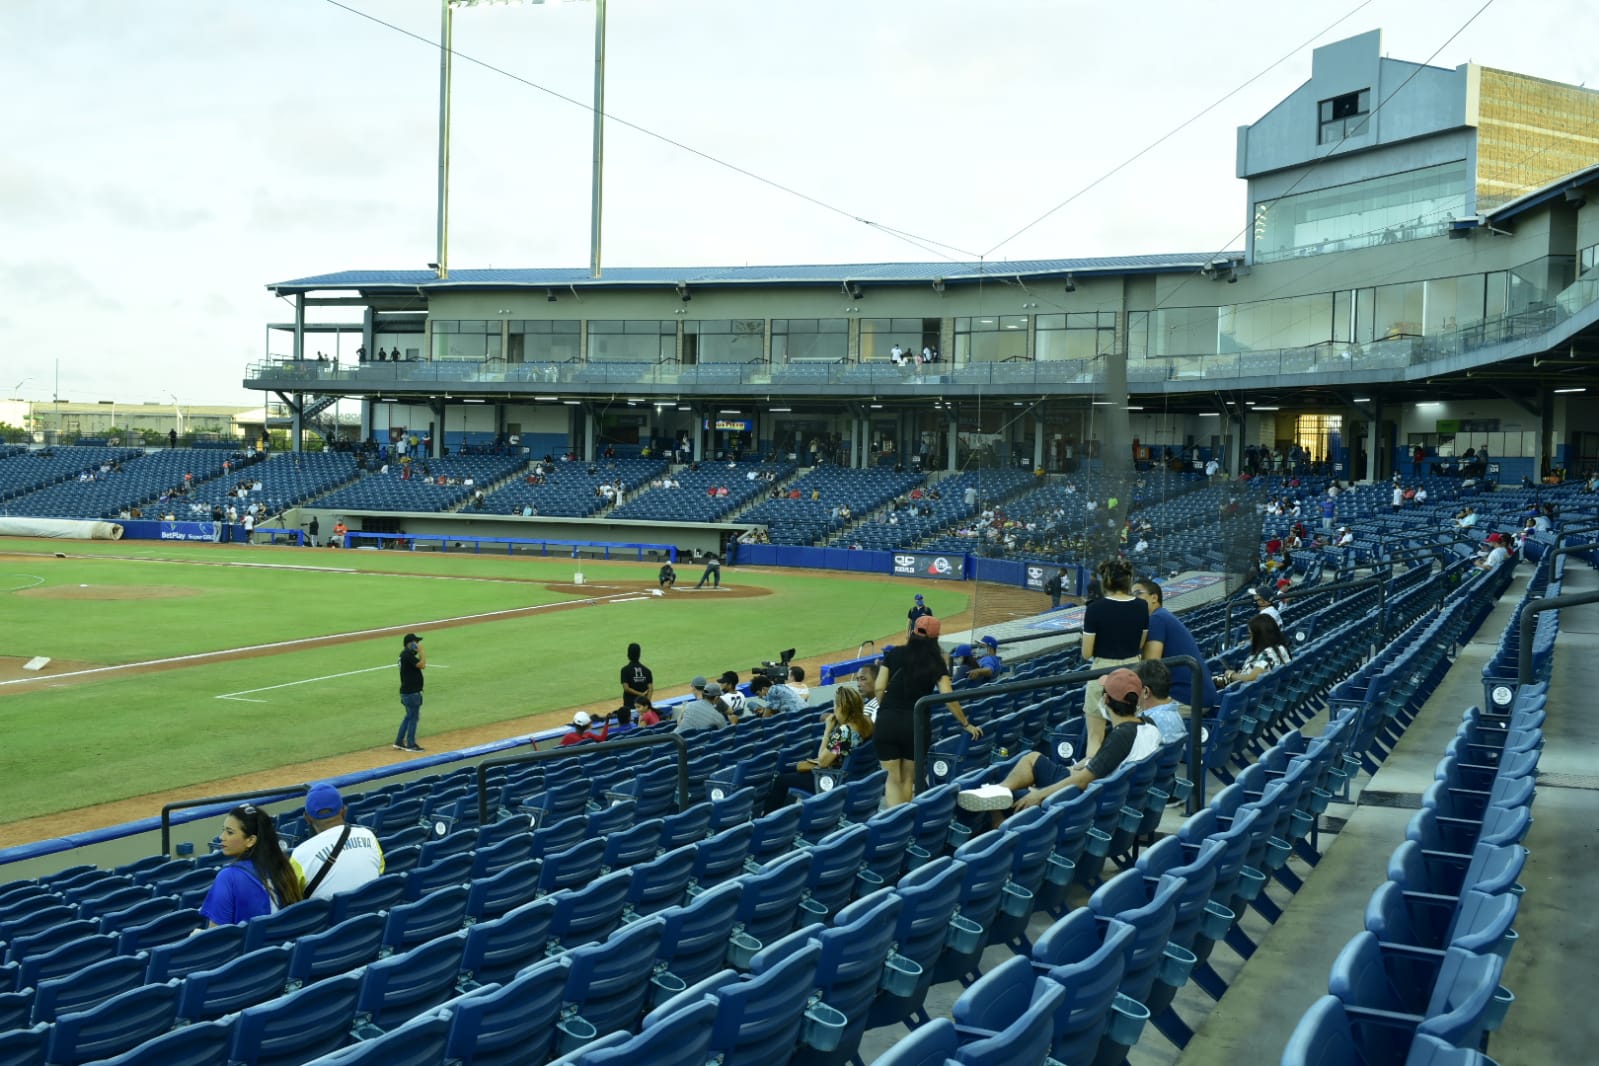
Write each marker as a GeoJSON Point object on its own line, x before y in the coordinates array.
{"type": "Point", "coordinates": [954, 439]}
{"type": "Point", "coordinates": [438, 431]}
{"type": "Point", "coordinates": [590, 445]}
{"type": "Point", "coordinates": [1038, 437]}
{"type": "Point", "coordinates": [297, 423]}
{"type": "Point", "coordinates": [366, 417]}
{"type": "Point", "coordinates": [1543, 455]}
{"type": "Point", "coordinates": [299, 326]}
{"type": "Point", "coordinates": [1374, 464]}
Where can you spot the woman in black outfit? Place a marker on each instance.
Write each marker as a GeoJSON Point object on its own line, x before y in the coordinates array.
{"type": "Point", "coordinates": [1114, 629]}
{"type": "Point", "coordinates": [908, 674]}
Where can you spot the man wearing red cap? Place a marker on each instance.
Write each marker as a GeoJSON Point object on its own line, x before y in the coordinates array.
{"type": "Point", "coordinates": [1036, 777]}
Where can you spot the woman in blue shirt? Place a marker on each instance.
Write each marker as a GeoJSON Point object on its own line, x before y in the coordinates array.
{"type": "Point", "coordinates": [259, 880]}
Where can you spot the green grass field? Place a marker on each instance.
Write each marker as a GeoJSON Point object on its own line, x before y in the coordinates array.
{"type": "Point", "coordinates": [80, 741]}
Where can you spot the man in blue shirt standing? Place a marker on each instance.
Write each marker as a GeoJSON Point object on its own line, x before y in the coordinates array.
{"type": "Point", "coordinates": [1169, 637]}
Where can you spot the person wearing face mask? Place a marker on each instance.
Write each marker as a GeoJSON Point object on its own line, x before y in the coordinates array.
{"type": "Point", "coordinates": [1036, 777]}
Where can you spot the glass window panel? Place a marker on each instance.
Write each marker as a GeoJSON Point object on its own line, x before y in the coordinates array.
{"type": "Point", "coordinates": [631, 342]}
{"type": "Point", "coordinates": [1051, 322]}
{"type": "Point", "coordinates": [1381, 210]}
{"type": "Point", "coordinates": [1365, 315]}
{"type": "Point", "coordinates": [1137, 334]}
{"type": "Point", "coordinates": [1343, 315]}
{"type": "Point", "coordinates": [1399, 309]}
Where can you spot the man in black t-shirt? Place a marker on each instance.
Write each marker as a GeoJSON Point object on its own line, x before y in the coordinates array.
{"type": "Point", "coordinates": [919, 609]}
{"type": "Point", "coordinates": [637, 680]}
{"type": "Point", "coordinates": [1036, 777]}
{"type": "Point", "coordinates": [413, 660]}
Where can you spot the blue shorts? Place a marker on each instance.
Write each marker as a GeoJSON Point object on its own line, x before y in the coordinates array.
{"type": "Point", "coordinates": [1047, 771]}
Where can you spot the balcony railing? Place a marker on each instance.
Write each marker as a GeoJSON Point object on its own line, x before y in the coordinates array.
{"type": "Point", "coordinates": [1394, 353]}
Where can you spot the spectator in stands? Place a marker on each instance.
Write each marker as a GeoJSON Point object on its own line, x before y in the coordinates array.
{"type": "Point", "coordinates": [644, 711]}
{"type": "Point", "coordinates": [910, 672]}
{"type": "Point", "coordinates": [735, 700]}
{"type": "Point", "coordinates": [1129, 736]}
{"type": "Point", "coordinates": [866, 682]}
{"type": "Point", "coordinates": [1346, 537]}
{"type": "Point", "coordinates": [621, 723]}
{"type": "Point", "coordinates": [413, 660]}
{"type": "Point", "coordinates": [259, 880]}
{"type": "Point", "coordinates": [1496, 555]}
{"type": "Point", "coordinates": [668, 575]}
{"type": "Point", "coordinates": [582, 731]}
{"type": "Point", "coordinates": [1169, 637]}
{"type": "Point", "coordinates": [338, 856]}
{"type": "Point", "coordinates": [1267, 650]}
{"type": "Point", "coordinates": [784, 698]}
{"type": "Point", "coordinates": [796, 682]}
{"type": "Point", "coordinates": [844, 728]}
{"type": "Point", "coordinates": [1265, 602]}
{"type": "Point", "coordinates": [1115, 627]}
{"type": "Point", "coordinates": [701, 713]}
{"type": "Point", "coordinates": [1158, 702]}
{"type": "Point", "coordinates": [756, 702]}
{"type": "Point", "coordinates": [966, 665]}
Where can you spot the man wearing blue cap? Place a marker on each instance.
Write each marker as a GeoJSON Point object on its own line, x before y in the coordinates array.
{"type": "Point", "coordinates": [919, 609]}
{"type": "Point", "coordinates": [975, 663]}
{"type": "Point", "coordinates": [338, 856]}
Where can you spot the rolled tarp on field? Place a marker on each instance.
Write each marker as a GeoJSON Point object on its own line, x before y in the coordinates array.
{"type": "Point", "coordinates": [59, 529]}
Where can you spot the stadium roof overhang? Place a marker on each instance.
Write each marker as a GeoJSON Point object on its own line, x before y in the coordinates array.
{"type": "Point", "coordinates": [412, 284]}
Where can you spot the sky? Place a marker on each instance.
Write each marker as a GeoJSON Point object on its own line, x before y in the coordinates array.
{"type": "Point", "coordinates": [165, 161]}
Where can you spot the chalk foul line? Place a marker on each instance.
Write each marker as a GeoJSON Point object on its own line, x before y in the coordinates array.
{"type": "Point", "coordinates": [301, 642]}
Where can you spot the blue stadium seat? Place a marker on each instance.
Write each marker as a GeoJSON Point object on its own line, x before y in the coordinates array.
{"type": "Point", "coordinates": [1391, 993]}
{"type": "Point", "coordinates": [682, 1038]}
{"type": "Point", "coordinates": [399, 987]}
{"type": "Point", "coordinates": [888, 833]}
{"type": "Point", "coordinates": [1088, 958]}
{"type": "Point", "coordinates": [774, 834]}
{"type": "Point", "coordinates": [660, 882]}
{"type": "Point", "coordinates": [494, 895]}
{"type": "Point", "coordinates": [730, 806]}
{"type": "Point", "coordinates": [836, 863]}
{"type": "Point", "coordinates": [496, 950]}
{"type": "Point", "coordinates": [440, 912]}
{"type": "Point", "coordinates": [491, 859]}
{"type": "Point", "coordinates": [928, 921]}
{"type": "Point", "coordinates": [686, 827]}
{"type": "Point", "coordinates": [722, 856]}
{"type": "Point", "coordinates": [24, 1047]}
{"type": "Point", "coordinates": [426, 879]}
{"type": "Point", "coordinates": [205, 950]}
{"type": "Point", "coordinates": [374, 895]}
{"type": "Point", "coordinates": [857, 959]}
{"type": "Point", "coordinates": [610, 983]}
{"type": "Point", "coordinates": [987, 864]}
{"type": "Point", "coordinates": [1475, 921]}
{"type": "Point", "coordinates": [299, 1026]}
{"type": "Point", "coordinates": [760, 1019]}
{"type": "Point", "coordinates": [1151, 911]}
{"type": "Point", "coordinates": [702, 937]}
{"type": "Point", "coordinates": [1011, 1014]}
{"type": "Point", "coordinates": [775, 898]}
{"type": "Point", "coordinates": [419, 1042]}
{"type": "Point", "coordinates": [353, 942]}
{"type": "Point", "coordinates": [85, 988]}
{"type": "Point", "coordinates": [592, 912]}
{"type": "Point", "coordinates": [574, 867]}
{"type": "Point", "coordinates": [203, 1044]}
{"type": "Point", "coordinates": [114, 1026]}
{"type": "Point", "coordinates": [163, 928]}
{"type": "Point", "coordinates": [283, 926]}
{"type": "Point", "coordinates": [635, 844]}
{"type": "Point", "coordinates": [64, 958]}
{"type": "Point", "coordinates": [821, 813]}
{"type": "Point", "coordinates": [503, 1025]}
{"type": "Point", "coordinates": [255, 977]}
{"type": "Point", "coordinates": [935, 1043]}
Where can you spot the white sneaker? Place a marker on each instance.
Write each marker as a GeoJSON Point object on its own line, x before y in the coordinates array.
{"type": "Point", "coordinates": [986, 798]}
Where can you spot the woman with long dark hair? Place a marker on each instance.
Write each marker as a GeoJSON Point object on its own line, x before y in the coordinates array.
{"type": "Point", "coordinates": [910, 672]}
{"type": "Point", "coordinates": [1267, 650]}
{"type": "Point", "coordinates": [259, 880]}
{"type": "Point", "coordinates": [1115, 627]}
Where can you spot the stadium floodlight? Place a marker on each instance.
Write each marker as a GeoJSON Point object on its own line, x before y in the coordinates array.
{"type": "Point", "coordinates": [446, 54]}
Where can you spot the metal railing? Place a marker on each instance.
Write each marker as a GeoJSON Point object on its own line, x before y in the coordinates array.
{"type": "Point", "coordinates": [583, 751]}
{"type": "Point", "coordinates": [265, 795]}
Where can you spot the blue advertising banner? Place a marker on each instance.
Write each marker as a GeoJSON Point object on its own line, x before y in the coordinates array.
{"type": "Point", "coordinates": [927, 564]}
{"type": "Point", "coordinates": [142, 530]}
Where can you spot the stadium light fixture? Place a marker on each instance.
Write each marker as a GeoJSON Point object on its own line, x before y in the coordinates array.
{"type": "Point", "coordinates": [1210, 414]}
{"type": "Point", "coordinates": [779, 410]}
{"type": "Point", "coordinates": [1260, 407]}
{"type": "Point", "coordinates": [1581, 389]}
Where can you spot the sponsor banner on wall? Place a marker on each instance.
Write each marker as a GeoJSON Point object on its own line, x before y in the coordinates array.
{"type": "Point", "coordinates": [1035, 578]}
{"type": "Point", "coordinates": [927, 564]}
{"type": "Point", "coordinates": [147, 530]}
